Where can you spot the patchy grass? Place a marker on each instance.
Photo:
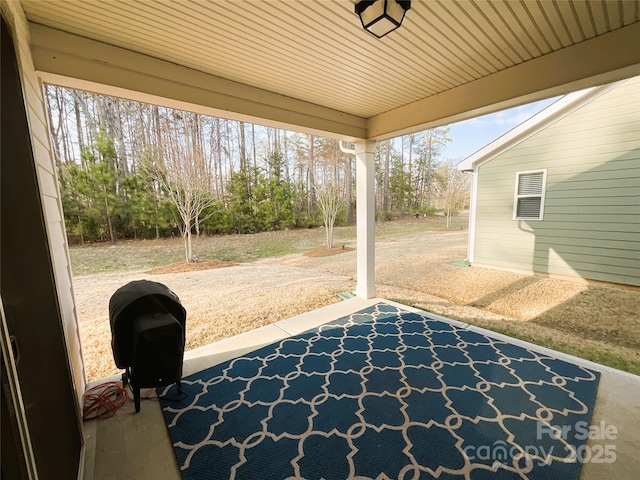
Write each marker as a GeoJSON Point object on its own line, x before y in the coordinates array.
{"type": "Point", "coordinates": [595, 322]}
{"type": "Point", "coordinates": [326, 252]}
{"type": "Point", "coordinates": [181, 267]}
{"type": "Point", "coordinates": [133, 255]}
{"type": "Point", "coordinates": [590, 344]}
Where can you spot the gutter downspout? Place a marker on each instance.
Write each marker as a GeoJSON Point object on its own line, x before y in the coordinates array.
{"type": "Point", "coordinates": [344, 149]}
{"type": "Point", "coordinates": [472, 214]}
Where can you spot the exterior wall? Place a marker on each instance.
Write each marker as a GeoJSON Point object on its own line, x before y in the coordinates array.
{"type": "Point", "coordinates": [49, 192]}
{"type": "Point", "coordinates": [591, 224]}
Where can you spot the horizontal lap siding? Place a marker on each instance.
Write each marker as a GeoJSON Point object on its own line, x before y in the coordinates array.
{"type": "Point", "coordinates": [591, 225]}
{"type": "Point", "coordinates": [50, 197]}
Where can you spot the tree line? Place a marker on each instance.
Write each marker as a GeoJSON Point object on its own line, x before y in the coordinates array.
{"type": "Point", "coordinates": [132, 170]}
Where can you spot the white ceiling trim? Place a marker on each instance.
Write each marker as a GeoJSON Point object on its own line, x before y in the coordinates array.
{"type": "Point", "coordinates": [594, 62]}
{"type": "Point", "coordinates": [78, 62]}
{"type": "Point", "coordinates": [422, 89]}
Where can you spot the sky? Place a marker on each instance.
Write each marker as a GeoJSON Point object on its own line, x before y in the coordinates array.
{"type": "Point", "coordinates": [470, 136]}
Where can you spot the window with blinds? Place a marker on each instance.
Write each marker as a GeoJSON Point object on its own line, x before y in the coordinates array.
{"type": "Point", "coordinates": [529, 195]}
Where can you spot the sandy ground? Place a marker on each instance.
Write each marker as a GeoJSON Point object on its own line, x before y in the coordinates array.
{"type": "Point", "coordinates": [232, 298]}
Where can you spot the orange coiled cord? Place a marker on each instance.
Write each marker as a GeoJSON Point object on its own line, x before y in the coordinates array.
{"type": "Point", "coordinates": [104, 400]}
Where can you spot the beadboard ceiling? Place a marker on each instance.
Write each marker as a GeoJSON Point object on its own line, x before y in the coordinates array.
{"type": "Point", "coordinates": [309, 63]}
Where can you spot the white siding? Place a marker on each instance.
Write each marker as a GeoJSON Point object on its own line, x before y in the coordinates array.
{"type": "Point", "coordinates": [49, 192]}
{"type": "Point", "coordinates": [591, 225]}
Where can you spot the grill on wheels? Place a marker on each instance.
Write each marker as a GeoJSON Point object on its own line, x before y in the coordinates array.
{"type": "Point", "coordinates": [147, 335]}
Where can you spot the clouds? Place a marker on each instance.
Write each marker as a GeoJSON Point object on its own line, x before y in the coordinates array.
{"type": "Point", "coordinates": [471, 135]}
{"type": "Point", "coordinates": [511, 117]}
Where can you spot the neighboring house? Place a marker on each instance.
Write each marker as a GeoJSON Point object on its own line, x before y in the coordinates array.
{"type": "Point", "coordinates": [560, 194]}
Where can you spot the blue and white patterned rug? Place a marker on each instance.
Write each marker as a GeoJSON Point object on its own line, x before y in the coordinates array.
{"type": "Point", "coordinates": [383, 394]}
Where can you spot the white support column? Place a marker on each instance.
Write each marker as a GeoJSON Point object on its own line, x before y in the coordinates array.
{"type": "Point", "coordinates": [365, 219]}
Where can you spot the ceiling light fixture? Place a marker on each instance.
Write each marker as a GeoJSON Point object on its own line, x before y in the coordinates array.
{"type": "Point", "coordinates": [380, 17]}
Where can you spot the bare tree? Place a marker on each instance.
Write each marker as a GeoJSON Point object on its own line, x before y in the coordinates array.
{"type": "Point", "coordinates": [330, 202]}
{"type": "Point", "coordinates": [428, 162]}
{"type": "Point", "coordinates": [452, 189]}
{"type": "Point", "coordinates": [186, 180]}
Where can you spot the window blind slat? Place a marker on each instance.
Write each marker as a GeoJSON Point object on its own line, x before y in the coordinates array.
{"type": "Point", "coordinates": [529, 207]}
{"type": "Point", "coordinates": [530, 184]}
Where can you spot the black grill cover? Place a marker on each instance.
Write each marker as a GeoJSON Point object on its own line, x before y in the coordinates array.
{"type": "Point", "coordinates": [133, 300]}
{"type": "Point", "coordinates": [158, 349]}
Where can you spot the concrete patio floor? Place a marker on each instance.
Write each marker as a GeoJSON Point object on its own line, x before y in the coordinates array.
{"type": "Point", "coordinates": [137, 446]}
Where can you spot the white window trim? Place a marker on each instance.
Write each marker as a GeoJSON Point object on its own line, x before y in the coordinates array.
{"type": "Point", "coordinates": [542, 196]}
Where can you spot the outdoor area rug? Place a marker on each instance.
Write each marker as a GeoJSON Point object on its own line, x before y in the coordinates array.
{"type": "Point", "coordinates": [384, 394]}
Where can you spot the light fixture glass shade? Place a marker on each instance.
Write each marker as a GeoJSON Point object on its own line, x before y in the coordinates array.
{"type": "Point", "coordinates": [380, 17]}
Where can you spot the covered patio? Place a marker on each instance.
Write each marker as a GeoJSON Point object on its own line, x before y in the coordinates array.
{"type": "Point", "coordinates": [138, 445]}
{"type": "Point", "coordinates": [306, 66]}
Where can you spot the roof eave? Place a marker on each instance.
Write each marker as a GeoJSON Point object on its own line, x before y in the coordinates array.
{"type": "Point", "coordinates": [554, 112]}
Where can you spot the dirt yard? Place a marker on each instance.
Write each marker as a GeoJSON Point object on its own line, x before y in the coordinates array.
{"type": "Point", "coordinates": [224, 299]}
